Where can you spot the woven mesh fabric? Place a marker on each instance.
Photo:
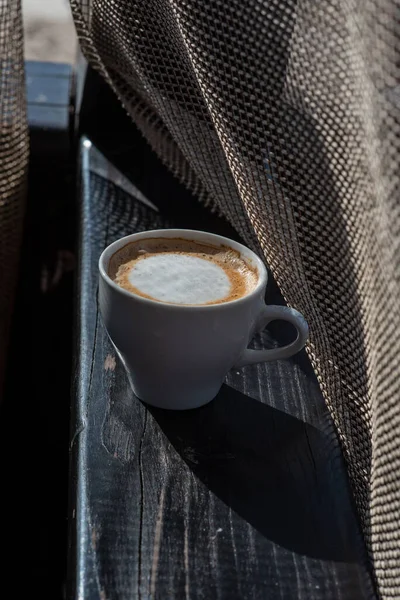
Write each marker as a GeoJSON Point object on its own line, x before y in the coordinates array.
{"type": "Point", "coordinates": [13, 160]}
{"type": "Point", "coordinates": [284, 116]}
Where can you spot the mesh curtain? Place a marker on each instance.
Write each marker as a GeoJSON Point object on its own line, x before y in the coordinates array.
{"type": "Point", "coordinates": [13, 161]}
{"type": "Point", "coordinates": [283, 115]}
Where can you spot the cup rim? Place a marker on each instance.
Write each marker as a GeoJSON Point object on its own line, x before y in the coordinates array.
{"type": "Point", "coordinates": [184, 234]}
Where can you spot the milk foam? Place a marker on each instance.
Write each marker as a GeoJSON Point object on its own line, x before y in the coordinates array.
{"type": "Point", "coordinates": [181, 271]}
{"type": "Point", "coordinates": [180, 279]}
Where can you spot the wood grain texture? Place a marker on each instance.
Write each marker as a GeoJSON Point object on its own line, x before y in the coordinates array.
{"type": "Point", "coordinates": [245, 498]}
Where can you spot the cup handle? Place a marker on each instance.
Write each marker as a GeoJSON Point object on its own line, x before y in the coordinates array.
{"type": "Point", "coordinates": [277, 313]}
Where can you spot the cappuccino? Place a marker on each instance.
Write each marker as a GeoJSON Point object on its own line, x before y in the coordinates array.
{"type": "Point", "coordinates": [180, 271]}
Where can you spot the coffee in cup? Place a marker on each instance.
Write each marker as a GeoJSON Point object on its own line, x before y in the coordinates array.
{"type": "Point", "coordinates": [182, 271]}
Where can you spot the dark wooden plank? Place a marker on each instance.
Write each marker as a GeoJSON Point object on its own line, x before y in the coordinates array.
{"type": "Point", "coordinates": [245, 498]}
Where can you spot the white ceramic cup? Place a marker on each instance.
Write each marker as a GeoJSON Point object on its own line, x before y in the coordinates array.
{"type": "Point", "coordinates": [177, 356]}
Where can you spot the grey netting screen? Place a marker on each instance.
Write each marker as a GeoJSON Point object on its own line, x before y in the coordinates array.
{"type": "Point", "coordinates": [13, 160]}
{"type": "Point", "coordinates": [284, 115]}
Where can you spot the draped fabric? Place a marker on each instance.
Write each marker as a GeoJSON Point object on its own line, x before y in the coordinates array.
{"type": "Point", "coordinates": [13, 161]}
{"type": "Point", "coordinates": [283, 115]}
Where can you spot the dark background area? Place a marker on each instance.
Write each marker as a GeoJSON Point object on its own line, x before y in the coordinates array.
{"type": "Point", "coordinates": [34, 414]}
